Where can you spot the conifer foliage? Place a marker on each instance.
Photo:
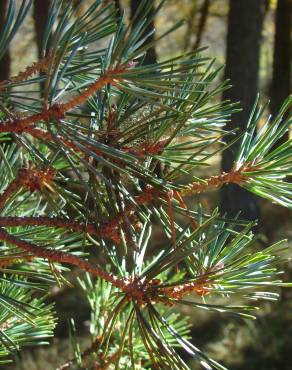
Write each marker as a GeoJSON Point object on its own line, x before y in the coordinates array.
{"type": "Point", "coordinates": [104, 154]}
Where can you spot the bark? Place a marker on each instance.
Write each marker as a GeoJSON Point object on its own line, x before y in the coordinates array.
{"type": "Point", "coordinates": [118, 7]}
{"type": "Point", "coordinates": [245, 20]}
{"type": "Point", "coordinates": [40, 15]}
{"type": "Point", "coordinates": [281, 81]}
{"type": "Point", "coordinates": [190, 25]}
{"type": "Point", "coordinates": [151, 56]}
{"type": "Point", "coordinates": [5, 60]}
{"type": "Point", "coordinates": [202, 23]}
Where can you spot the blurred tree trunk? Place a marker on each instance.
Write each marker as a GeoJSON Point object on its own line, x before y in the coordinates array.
{"type": "Point", "coordinates": [5, 61]}
{"type": "Point", "coordinates": [40, 16]}
{"type": "Point", "coordinates": [245, 20]}
{"type": "Point", "coordinates": [190, 25]}
{"type": "Point", "coordinates": [202, 23]}
{"type": "Point", "coordinates": [118, 7]}
{"type": "Point", "coordinates": [281, 80]}
{"type": "Point", "coordinates": [151, 56]}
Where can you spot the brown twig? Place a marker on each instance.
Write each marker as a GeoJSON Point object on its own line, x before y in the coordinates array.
{"type": "Point", "coordinates": [107, 362]}
{"type": "Point", "coordinates": [134, 289]}
{"type": "Point", "coordinates": [90, 228]}
{"type": "Point", "coordinates": [22, 124]}
{"type": "Point", "coordinates": [234, 176]}
{"type": "Point", "coordinates": [106, 230]}
{"type": "Point", "coordinates": [151, 194]}
{"type": "Point", "coordinates": [40, 66]}
{"type": "Point", "coordinates": [62, 257]}
{"type": "Point", "coordinates": [58, 111]}
{"type": "Point", "coordinates": [15, 259]}
{"type": "Point", "coordinates": [30, 178]}
{"type": "Point", "coordinates": [9, 191]}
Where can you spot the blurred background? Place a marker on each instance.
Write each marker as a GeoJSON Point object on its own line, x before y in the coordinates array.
{"type": "Point", "coordinates": [252, 38]}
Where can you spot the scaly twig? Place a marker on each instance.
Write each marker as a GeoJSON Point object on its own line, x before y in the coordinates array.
{"type": "Point", "coordinates": [58, 111]}
{"type": "Point", "coordinates": [62, 257]}
{"type": "Point", "coordinates": [235, 176]}
{"type": "Point", "coordinates": [40, 66]}
{"type": "Point", "coordinates": [105, 230]}
{"type": "Point", "coordinates": [30, 178]}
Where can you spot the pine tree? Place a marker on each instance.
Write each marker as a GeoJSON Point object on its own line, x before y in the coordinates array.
{"type": "Point", "coordinates": [80, 188]}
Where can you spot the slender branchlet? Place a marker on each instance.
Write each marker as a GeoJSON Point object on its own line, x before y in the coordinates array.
{"type": "Point", "coordinates": [151, 194]}
{"type": "Point", "coordinates": [9, 191]}
{"type": "Point", "coordinates": [235, 176]}
{"type": "Point", "coordinates": [143, 293]}
{"type": "Point", "coordinates": [108, 361]}
{"type": "Point", "coordinates": [33, 179]}
{"type": "Point", "coordinates": [146, 149]}
{"type": "Point", "coordinates": [48, 221]}
{"type": "Point", "coordinates": [134, 289]}
{"type": "Point", "coordinates": [58, 111]}
{"type": "Point", "coordinates": [19, 258]}
{"type": "Point", "coordinates": [108, 230]}
{"type": "Point", "coordinates": [23, 124]}
{"type": "Point", "coordinates": [40, 66]}
{"type": "Point", "coordinates": [29, 178]}
{"type": "Point", "coordinates": [62, 257]}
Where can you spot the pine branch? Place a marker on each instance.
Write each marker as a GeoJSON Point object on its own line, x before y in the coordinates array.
{"type": "Point", "coordinates": [233, 177]}
{"type": "Point", "coordinates": [61, 257]}
{"type": "Point", "coordinates": [58, 111]}
{"type": "Point", "coordinates": [107, 148]}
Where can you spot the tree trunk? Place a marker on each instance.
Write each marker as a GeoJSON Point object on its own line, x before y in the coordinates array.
{"type": "Point", "coordinates": [242, 63]}
{"type": "Point", "coordinates": [281, 81]}
{"type": "Point", "coordinates": [190, 26]}
{"type": "Point", "coordinates": [5, 60]}
{"type": "Point", "coordinates": [40, 15]}
{"type": "Point", "coordinates": [151, 56]}
{"type": "Point", "coordinates": [118, 7]}
{"type": "Point", "coordinates": [202, 23]}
